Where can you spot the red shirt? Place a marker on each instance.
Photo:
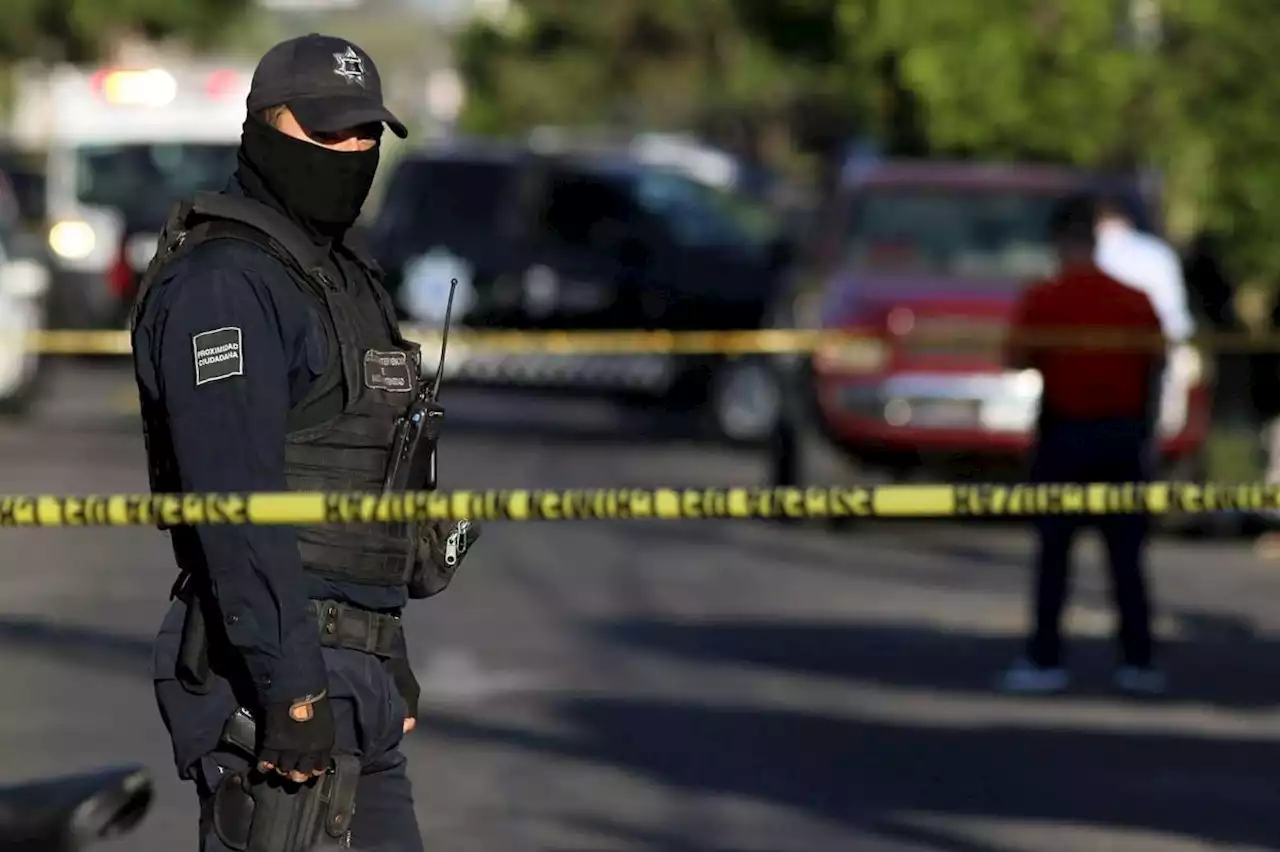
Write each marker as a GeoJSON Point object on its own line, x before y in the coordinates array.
{"type": "Point", "coordinates": [1110, 376]}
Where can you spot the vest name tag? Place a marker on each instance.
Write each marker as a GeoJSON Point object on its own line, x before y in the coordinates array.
{"type": "Point", "coordinates": [218, 354]}
{"type": "Point", "coordinates": [388, 371]}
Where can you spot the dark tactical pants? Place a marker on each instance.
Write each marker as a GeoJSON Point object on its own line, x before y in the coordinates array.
{"type": "Point", "coordinates": [369, 717]}
{"type": "Point", "coordinates": [1093, 451]}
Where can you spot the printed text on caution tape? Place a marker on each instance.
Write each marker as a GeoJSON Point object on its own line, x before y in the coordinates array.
{"type": "Point", "coordinates": [890, 501]}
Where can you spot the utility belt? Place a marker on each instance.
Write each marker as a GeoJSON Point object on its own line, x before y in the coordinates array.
{"type": "Point", "coordinates": [339, 625]}
{"type": "Point", "coordinates": [342, 625]}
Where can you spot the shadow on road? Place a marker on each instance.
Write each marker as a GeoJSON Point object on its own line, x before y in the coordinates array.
{"type": "Point", "coordinates": [862, 773]}
{"type": "Point", "coordinates": [80, 645]}
{"type": "Point", "coordinates": [649, 838]}
{"type": "Point", "coordinates": [655, 840]}
{"type": "Point", "coordinates": [897, 830]}
{"type": "Point", "coordinates": [1215, 660]}
{"type": "Point", "coordinates": [804, 547]}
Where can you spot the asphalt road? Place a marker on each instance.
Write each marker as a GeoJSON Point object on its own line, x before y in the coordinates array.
{"type": "Point", "coordinates": [685, 688]}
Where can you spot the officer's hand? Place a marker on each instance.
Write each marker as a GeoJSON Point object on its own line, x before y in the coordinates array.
{"type": "Point", "coordinates": [444, 545]}
{"type": "Point", "coordinates": [297, 737]}
{"type": "Point", "coordinates": [407, 686]}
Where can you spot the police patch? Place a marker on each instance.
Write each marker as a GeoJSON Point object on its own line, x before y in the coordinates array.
{"type": "Point", "coordinates": [388, 371]}
{"type": "Point", "coordinates": [218, 354]}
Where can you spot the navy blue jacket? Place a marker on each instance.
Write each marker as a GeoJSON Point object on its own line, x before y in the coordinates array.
{"type": "Point", "coordinates": [229, 435]}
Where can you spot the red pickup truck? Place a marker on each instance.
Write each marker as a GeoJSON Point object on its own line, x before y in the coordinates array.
{"type": "Point", "coordinates": [925, 261]}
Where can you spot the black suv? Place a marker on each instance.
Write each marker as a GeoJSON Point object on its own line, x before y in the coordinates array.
{"type": "Point", "coordinates": [588, 242]}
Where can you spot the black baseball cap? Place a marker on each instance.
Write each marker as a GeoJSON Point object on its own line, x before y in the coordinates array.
{"type": "Point", "coordinates": [328, 83]}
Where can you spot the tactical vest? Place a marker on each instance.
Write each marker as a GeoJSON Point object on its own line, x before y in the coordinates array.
{"type": "Point", "coordinates": [340, 435]}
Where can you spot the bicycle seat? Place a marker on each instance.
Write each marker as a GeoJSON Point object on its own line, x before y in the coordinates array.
{"type": "Point", "coordinates": [67, 813]}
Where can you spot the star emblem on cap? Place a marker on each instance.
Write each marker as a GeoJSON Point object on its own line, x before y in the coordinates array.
{"type": "Point", "coordinates": [349, 66]}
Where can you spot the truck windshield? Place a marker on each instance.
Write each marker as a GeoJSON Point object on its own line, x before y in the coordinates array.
{"type": "Point", "coordinates": [952, 232]}
{"type": "Point", "coordinates": [142, 182]}
{"type": "Point", "coordinates": [701, 215]}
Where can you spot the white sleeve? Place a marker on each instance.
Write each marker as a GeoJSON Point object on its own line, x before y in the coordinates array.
{"type": "Point", "coordinates": [1176, 310]}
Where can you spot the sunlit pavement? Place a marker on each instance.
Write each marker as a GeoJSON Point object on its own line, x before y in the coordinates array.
{"type": "Point", "coordinates": [686, 687]}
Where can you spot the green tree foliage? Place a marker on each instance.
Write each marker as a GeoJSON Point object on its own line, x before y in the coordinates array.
{"type": "Point", "coordinates": [80, 30]}
{"type": "Point", "coordinates": [653, 62]}
{"type": "Point", "coordinates": [1221, 104]}
{"type": "Point", "coordinates": [1080, 81]}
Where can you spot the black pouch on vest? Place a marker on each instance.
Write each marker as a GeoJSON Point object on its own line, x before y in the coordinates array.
{"type": "Point", "coordinates": [442, 545]}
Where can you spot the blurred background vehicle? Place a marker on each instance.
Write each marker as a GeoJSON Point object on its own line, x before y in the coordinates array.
{"type": "Point", "coordinates": [552, 237]}
{"type": "Point", "coordinates": [24, 291]}
{"type": "Point", "coordinates": [924, 261]}
{"type": "Point", "coordinates": [110, 149]}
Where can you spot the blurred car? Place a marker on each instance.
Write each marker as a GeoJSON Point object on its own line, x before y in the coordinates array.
{"type": "Point", "coordinates": [24, 287]}
{"type": "Point", "coordinates": [587, 241]}
{"type": "Point", "coordinates": [925, 261]}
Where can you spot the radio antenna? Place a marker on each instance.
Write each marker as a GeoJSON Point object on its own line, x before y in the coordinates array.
{"type": "Point", "coordinates": [444, 340]}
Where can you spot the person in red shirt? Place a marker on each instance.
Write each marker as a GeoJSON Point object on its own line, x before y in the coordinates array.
{"type": "Point", "coordinates": [1098, 346]}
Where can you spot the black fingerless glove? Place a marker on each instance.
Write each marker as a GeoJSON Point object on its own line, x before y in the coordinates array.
{"type": "Point", "coordinates": [297, 746]}
{"type": "Point", "coordinates": [441, 548]}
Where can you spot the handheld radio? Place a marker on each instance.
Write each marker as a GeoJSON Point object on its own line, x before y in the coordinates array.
{"type": "Point", "coordinates": [412, 465]}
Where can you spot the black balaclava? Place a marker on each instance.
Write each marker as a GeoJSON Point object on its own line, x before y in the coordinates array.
{"type": "Point", "coordinates": [320, 189]}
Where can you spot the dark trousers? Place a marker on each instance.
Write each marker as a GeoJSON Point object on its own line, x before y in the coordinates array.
{"type": "Point", "coordinates": [1093, 451]}
{"type": "Point", "coordinates": [369, 719]}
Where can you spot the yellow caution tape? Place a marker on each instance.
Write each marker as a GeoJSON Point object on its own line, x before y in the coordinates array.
{"type": "Point", "coordinates": [758, 342]}
{"type": "Point", "coordinates": [70, 342]}
{"type": "Point", "coordinates": [618, 504]}
{"type": "Point", "coordinates": [79, 342]}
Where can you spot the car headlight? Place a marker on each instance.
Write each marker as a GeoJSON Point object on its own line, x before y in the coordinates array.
{"type": "Point", "coordinates": [858, 355]}
{"type": "Point", "coordinates": [72, 240]}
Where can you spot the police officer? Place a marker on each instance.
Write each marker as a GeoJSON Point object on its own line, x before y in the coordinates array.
{"type": "Point", "coordinates": [268, 358]}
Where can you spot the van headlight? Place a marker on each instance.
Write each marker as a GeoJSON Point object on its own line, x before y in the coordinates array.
{"type": "Point", "coordinates": [72, 240]}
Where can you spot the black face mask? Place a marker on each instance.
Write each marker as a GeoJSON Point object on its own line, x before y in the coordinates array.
{"type": "Point", "coordinates": [322, 190]}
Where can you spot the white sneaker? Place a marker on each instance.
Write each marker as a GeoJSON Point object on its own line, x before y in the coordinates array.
{"type": "Point", "coordinates": [1025, 678]}
{"type": "Point", "coordinates": [1137, 680]}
